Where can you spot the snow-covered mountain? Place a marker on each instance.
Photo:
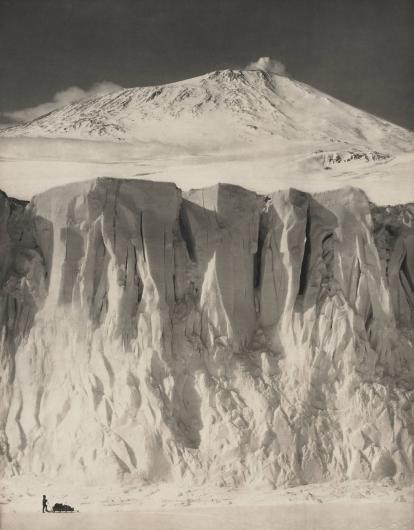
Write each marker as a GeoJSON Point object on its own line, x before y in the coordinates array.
{"type": "Point", "coordinates": [215, 335]}
{"type": "Point", "coordinates": [223, 109]}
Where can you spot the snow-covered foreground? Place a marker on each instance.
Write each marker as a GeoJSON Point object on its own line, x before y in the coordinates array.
{"type": "Point", "coordinates": [355, 506]}
{"type": "Point", "coordinates": [30, 166]}
{"type": "Point", "coordinates": [313, 517]}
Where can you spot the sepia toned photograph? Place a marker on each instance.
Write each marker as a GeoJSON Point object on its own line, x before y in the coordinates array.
{"type": "Point", "coordinates": [206, 265]}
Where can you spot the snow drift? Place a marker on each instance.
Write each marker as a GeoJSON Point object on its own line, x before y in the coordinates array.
{"type": "Point", "coordinates": [216, 335]}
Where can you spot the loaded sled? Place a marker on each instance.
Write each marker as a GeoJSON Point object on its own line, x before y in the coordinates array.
{"type": "Point", "coordinates": [59, 507]}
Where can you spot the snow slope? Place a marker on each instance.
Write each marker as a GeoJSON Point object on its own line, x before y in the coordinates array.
{"type": "Point", "coordinates": [29, 166]}
{"type": "Point", "coordinates": [215, 336]}
{"type": "Point", "coordinates": [261, 131]}
{"type": "Point", "coordinates": [221, 109]}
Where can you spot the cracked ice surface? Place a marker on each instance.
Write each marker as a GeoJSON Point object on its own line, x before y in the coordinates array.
{"type": "Point", "coordinates": [215, 336]}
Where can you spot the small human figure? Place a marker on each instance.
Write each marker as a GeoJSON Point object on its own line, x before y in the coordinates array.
{"type": "Point", "coordinates": [44, 504]}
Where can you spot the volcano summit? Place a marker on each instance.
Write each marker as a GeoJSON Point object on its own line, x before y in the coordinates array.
{"type": "Point", "coordinates": [238, 106]}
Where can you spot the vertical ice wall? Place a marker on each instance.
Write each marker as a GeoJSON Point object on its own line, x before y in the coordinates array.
{"type": "Point", "coordinates": [217, 336]}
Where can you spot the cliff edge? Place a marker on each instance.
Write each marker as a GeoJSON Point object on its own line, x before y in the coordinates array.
{"type": "Point", "coordinates": [215, 335]}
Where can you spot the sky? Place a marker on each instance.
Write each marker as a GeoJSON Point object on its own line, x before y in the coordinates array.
{"type": "Point", "coordinates": [360, 51]}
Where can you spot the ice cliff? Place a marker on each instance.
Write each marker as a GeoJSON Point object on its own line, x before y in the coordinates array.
{"type": "Point", "coordinates": [214, 335]}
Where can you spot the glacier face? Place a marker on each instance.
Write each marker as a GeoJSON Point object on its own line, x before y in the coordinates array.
{"type": "Point", "coordinates": [214, 335]}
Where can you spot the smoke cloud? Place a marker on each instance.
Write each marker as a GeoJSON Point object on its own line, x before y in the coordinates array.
{"type": "Point", "coordinates": [60, 99]}
{"type": "Point", "coordinates": [268, 65]}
